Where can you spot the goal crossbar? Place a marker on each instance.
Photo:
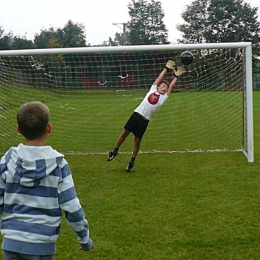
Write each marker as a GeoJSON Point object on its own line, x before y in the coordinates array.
{"type": "Point", "coordinates": [132, 48]}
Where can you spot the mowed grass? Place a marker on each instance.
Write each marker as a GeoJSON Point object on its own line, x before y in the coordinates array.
{"type": "Point", "coordinates": [92, 120]}
{"type": "Point", "coordinates": [172, 206]}
{"type": "Point", "coordinates": [181, 206]}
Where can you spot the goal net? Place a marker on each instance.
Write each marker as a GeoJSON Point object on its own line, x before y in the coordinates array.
{"type": "Point", "coordinates": [92, 91]}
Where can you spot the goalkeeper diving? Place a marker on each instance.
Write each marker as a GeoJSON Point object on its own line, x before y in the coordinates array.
{"type": "Point", "coordinates": [143, 114]}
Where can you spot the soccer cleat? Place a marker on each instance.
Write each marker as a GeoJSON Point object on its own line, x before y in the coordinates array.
{"type": "Point", "coordinates": [111, 156]}
{"type": "Point", "coordinates": [130, 166]}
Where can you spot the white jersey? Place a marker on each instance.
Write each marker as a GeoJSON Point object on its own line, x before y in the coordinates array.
{"type": "Point", "coordinates": [151, 103]}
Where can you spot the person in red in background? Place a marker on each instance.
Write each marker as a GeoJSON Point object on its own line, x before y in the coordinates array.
{"type": "Point", "coordinates": [142, 115]}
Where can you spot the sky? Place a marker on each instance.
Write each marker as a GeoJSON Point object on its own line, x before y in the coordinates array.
{"type": "Point", "coordinates": [25, 18]}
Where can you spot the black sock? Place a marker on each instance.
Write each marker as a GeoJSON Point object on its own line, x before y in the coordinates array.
{"type": "Point", "coordinates": [132, 160]}
{"type": "Point", "coordinates": [115, 150]}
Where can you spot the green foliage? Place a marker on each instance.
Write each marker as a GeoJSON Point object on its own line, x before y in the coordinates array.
{"type": "Point", "coordinates": [146, 25]}
{"type": "Point", "coordinates": [221, 21]}
{"type": "Point", "coordinates": [5, 40]}
{"type": "Point", "coordinates": [10, 42]}
{"type": "Point", "coordinates": [72, 35]}
{"type": "Point", "coordinates": [19, 43]}
{"type": "Point", "coordinates": [120, 39]}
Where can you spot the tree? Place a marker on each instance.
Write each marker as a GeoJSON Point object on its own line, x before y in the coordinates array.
{"type": "Point", "coordinates": [146, 25]}
{"type": "Point", "coordinates": [19, 43]}
{"type": "Point", "coordinates": [5, 40]}
{"type": "Point", "coordinates": [120, 39]}
{"type": "Point", "coordinates": [46, 38]}
{"type": "Point", "coordinates": [221, 21]}
{"type": "Point", "coordinates": [71, 35]}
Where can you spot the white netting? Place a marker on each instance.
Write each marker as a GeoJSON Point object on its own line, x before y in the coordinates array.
{"type": "Point", "coordinates": [91, 95]}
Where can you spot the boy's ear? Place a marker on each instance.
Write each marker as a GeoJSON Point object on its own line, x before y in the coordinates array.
{"type": "Point", "coordinates": [49, 128]}
{"type": "Point", "coordinates": [19, 130]}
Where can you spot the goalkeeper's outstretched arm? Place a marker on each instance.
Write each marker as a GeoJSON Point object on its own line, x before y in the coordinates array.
{"type": "Point", "coordinates": [170, 66]}
{"type": "Point", "coordinates": [177, 73]}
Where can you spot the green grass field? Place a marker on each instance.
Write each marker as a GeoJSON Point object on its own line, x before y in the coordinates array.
{"type": "Point", "coordinates": [92, 120]}
{"type": "Point", "coordinates": [172, 206]}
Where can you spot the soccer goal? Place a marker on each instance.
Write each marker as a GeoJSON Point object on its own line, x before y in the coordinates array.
{"type": "Point", "coordinates": [92, 91]}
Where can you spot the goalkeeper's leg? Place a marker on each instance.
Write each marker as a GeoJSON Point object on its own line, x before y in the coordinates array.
{"type": "Point", "coordinates": [119, 142]}
{"type": "Point", "coordinates": [131, 164]}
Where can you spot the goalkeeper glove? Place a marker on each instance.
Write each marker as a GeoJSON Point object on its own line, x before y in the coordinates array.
{"type": "Point", "coordinates": [170, 65]}
{"type": "Point", "coordinates": [179, 71]}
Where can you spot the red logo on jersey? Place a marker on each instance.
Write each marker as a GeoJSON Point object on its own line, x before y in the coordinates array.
{"type": "Point", "coordinates": [153, 98]}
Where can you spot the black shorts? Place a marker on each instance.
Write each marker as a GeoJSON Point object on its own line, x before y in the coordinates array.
{"type": "Point", "coordinates": [137, 125]}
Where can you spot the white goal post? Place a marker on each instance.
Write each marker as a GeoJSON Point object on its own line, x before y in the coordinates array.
{"type": "Point", "coordinates": [92, 91]}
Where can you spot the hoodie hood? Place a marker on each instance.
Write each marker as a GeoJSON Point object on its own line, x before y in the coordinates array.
{"type": "Point", "coordinates": [28, 165]}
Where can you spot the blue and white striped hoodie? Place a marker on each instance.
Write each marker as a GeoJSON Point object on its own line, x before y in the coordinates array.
{"type": "Point", "coordinates": [36, 185]}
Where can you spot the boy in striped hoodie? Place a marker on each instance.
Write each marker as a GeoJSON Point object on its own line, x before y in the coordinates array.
{"type": "Point", "coordinates": [36, 185]}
